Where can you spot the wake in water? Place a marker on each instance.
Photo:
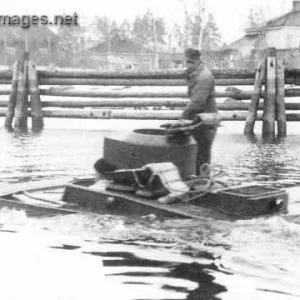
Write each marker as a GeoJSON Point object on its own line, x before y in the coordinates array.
{"type": "Point", "coordinates": [219, 260]}
{"type": "Point", "coordinates": [146, 258]}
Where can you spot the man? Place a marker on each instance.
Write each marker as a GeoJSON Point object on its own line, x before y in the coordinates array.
{"type": "Point", "coordinates": [201, 91]}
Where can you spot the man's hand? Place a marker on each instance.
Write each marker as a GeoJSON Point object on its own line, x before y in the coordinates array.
{"type": "Point", "coordinates": [177, 124]}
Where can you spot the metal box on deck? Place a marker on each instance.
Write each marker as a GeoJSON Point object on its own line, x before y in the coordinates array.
{"type": "Point", "coordinates": [252, 200]}
{"type": "Point", "coordinates": [144, 146]}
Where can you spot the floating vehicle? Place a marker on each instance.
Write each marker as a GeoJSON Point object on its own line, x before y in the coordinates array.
{"type": "Point", "coordinates": [81, 196]}
{"type": "Point", "coordinates": [239, 203]}
{"type": "Point", "coordinates": [148, 167]}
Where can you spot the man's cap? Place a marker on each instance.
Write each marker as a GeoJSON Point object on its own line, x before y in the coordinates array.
{"type": "Point", "coordinates": [192, 54]}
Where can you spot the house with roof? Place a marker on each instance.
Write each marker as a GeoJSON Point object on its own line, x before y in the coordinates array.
{"type": "Point", "coordinates": [169, 56]}
{"type": "Point", "coordinates": [282, 33]}
{"type": "Point", "coordinates": [119, 53]}
{"type": "Point", "coordinates": [40, 41]}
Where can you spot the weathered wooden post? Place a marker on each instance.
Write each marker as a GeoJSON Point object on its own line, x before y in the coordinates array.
{"type": "Point", "coordinates": [35, 100]}
{"type": "Point", "coordinates": [10, 113]}
{"type": "Point", "coordinates": [252, 114]}
{"type": "Point", "coordinates": [280, 99]}
{"type": "Point", "coordinates": [270, 94]}
{"type": "Point", "coordinates": [21, 111]}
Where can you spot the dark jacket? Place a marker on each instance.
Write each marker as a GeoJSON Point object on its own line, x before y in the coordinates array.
{"type": "Point", "coordinates": [201, 91]}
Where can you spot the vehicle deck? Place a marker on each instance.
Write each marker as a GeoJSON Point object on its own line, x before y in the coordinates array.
{"type": "Point", "coordinates": [79, 197]}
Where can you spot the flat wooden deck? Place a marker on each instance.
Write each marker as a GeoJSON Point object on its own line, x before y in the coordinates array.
{"type": "Point", "coordinates": [89, 200]}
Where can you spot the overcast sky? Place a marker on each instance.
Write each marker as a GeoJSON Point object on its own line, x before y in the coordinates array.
{"type": "Point", "coordinates": [230, 15]}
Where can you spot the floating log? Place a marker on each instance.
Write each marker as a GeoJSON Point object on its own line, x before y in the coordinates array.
{"type": "Point", "coordinates": [251, 117]}
{"type": "Point", "coordinates": [279, 99]}
{"type": "Point", "coordinates": [136, 103]}
{"type": "Point", "coordinates": [21, 111]}
{"type": "Point", "coordinates": [113, 114]}
{"type": "Point", "coordinates": [230, 74]}
{"type": "Point", "coordinates": [111, 94]}
{"type": "Point", "coordinates": [293, 116]}
{"type": "Point", "coordinates": [153, 115]}
{"type": "Point", "coordinates": [292, 106]}
{"type": "Point", "coordinates": [35, 101]}
{"type": "Point", "coordinates": [269, 103]}
{"type": "Point", "coordinates": [6, 74]}
{"type": "Point", "coordinates": [124, 102]}
{"type": "Point", "coordinates": [5, 81]}
{"type": "Point", "coordinates": [112, 82]}
{"type": "Point", "coordinates": [136, 82]}
{"type": "Point", "coordinates": [291, 81]}
{"type": "Point", "coordinates": [157, 74]}
{"type": "Point", "coordinates": [128, 102]}
{"type": "Point", "coordinates": [292, 92]}
{"type": "Point", "coordinates": [134, 114]}
{"type": "Point", "coordinates": [149, 103]}
{"type": "Point", "coordinates": [292, 76]}
{"type": "Point", "coordinates": [11, 104]}
{"type": "Point", "coordinates": [57, 92]}
{"type": "Point", "coordinates": [147, 115]}
{"type": "Point", "coordinates": [5, 92]}
{"type": "Point", "coordinates": [4, 103]}
{"type": "Point", "coordinates": [244, 95]}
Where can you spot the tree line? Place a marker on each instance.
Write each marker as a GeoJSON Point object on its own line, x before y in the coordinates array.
{"type": "Point", "coordinates": [147, 31]}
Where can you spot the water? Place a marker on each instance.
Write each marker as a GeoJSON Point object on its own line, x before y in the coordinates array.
{"type": "Point", "coordinates": [89, 256]}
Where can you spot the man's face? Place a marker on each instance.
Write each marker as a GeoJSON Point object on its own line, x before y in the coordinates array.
{"type": "Point", "coordinates": [192, 64]}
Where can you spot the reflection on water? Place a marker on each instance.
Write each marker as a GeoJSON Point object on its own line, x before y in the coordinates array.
{"type": "Point", "coordinates": [75, 264]}
{"type": "Point", "coordinates": [275, 162]}
{"type": "Point", "coordinates": [29, 156]}
{"type": "Point", "coordinates": [194, 272]}
{"type": "Point", "coordinates": [113, 257]}
{"type": "Point", "coordinates": [120, 257]}
{"type": "Point", "coordinates": [71, 153]}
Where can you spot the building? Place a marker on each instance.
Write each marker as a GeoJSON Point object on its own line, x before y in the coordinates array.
{"type": "Point", "coordinates": [282, 33]}
{"type": "Point", "coordinates": [119, 54]}
{"type": "Point", "coordinates": [40, 41]}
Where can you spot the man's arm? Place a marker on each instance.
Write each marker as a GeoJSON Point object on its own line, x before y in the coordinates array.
{"type": "Point", "coordinates": [199, 94]}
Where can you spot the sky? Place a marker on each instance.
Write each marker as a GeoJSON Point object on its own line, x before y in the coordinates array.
{"type": "Point", "coordinates": [230, 15]}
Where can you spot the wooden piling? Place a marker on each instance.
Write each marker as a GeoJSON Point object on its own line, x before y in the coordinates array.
{"type": "Point", "coordinates": [280, 99]}
{"type": "Point", "coordinates": [10, 113]}
{"type": "Point", "coordinates": [251, 117]}
{"type": "Point", "coordinates": [35, 101]}
{"type": "Point", "coordinates": [270, 94]}
{"type": "Point", "coordinates": [21, 111]}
